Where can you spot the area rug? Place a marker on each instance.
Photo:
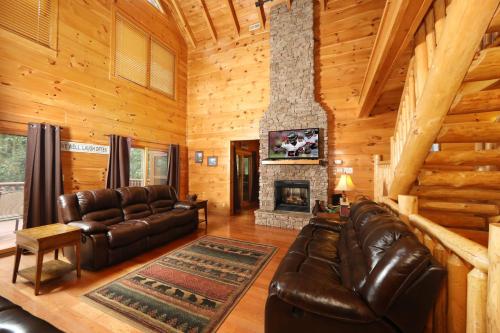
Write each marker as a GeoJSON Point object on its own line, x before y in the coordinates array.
{"type": "Point", "coordinates": [191, 289]}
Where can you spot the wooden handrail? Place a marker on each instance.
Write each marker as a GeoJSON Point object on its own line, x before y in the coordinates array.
{"type": "Point", "coordinates": [470, 300]}
{"type": "Point", "coordinates": [472, 252]}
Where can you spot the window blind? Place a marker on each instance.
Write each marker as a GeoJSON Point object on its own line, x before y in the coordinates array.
{"type": "Point", "coordinates": [131, 52]}
{"type": "Point", "coordinates": [162, 69]}
{"type": "Point", "coordinates": [29, 18]}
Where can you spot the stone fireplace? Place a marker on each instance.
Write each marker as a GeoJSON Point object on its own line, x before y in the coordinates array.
{"type": "Point", "coordinates": [292, 105]}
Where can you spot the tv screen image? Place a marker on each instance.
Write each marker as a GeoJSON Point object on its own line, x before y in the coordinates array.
{"type": "Point", "coordinates": [290, 144]}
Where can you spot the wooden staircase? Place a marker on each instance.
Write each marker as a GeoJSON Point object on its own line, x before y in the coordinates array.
{"type": "Point", "coordinates": [458, 180]}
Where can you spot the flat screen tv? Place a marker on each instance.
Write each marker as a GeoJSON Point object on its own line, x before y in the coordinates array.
{"type": "Point", "coordinates": [294, 144]}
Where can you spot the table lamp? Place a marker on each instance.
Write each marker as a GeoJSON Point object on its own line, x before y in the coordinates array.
{"type": "Point", "coordinates": [345, 184]}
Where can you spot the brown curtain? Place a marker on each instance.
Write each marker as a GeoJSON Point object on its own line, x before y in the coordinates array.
{"type": "Point", "coordinates": [43, 175]}
{"type": "Point", "coordinates": [236, 187]}
{"type": "Point", "coordinates": [119, 162]}
{"type": "Point", "coordinates": [173, 167]}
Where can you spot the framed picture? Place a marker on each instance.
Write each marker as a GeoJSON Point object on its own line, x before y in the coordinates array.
{"type": "Point", "coordinates": [212, 161]}
{"type": "Point", "coordinates": [198, 157]}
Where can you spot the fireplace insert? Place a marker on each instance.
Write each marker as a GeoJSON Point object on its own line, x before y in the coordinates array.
{"type": "Point", "coordinates": [292, 195]}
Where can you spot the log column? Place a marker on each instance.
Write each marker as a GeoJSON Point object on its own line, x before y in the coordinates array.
{"type": "Point", "coordinates": [477, 284]}
{"type": "Point", "coordinates": [493, 301]}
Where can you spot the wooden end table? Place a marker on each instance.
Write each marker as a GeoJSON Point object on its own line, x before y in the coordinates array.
{"type": "Point", "coordinates": [40, 240]}
{"type": "Point", "coordinates": [203, 204]}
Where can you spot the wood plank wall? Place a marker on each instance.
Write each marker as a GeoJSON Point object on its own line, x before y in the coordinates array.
{"type": "Point", "coordinates": [228, 92]}
{"type": "Point", "coordinates": [74, 89]}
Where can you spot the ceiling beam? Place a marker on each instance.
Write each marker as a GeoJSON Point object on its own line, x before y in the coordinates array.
{"type": "Point", "coordinates": [234, 17]}
{"type": "Point", "coordinates": [181, 21]}
{"type": "Point", "coordinates": [209, 21]}
{"type": "Point", "coordinates": [323, 4]}
{"type": "Point", "coordinates": [262, 15]}
{"type": "Point", "coordinates": [399, 23]}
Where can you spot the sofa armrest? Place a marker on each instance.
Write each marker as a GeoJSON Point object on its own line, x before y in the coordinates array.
{"type": "Point", "coordinates": [185, 205]}
{"type": "Point", "coordinates": [90, 227]}
{"type": "Point", "coordinates": [332, 225]}
{"type": "Point", "coordinates": [329, 300]}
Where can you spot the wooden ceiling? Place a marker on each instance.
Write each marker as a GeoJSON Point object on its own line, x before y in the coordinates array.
{"type": "Point", "coordinates": [206, 22]}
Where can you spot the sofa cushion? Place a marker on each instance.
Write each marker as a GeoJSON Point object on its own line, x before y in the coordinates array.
{"type": "Point", "coordinates": [159, 223]}
{"type": "Point", "coordinates": [161, 198]}
{"type": "Point", "coordinates": [134, 202]}
{"type": "Point", "coordinates": [100, 205]}
{"type": "Point", "coordinates": [125, 233]}
{"type": "Point", "coordinates": [6, 304]}
{"type": "Point", "coordinates": [401, 265]}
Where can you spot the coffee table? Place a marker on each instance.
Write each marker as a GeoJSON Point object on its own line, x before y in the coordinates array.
{"type": "Point", "coordinates": [40, 240]}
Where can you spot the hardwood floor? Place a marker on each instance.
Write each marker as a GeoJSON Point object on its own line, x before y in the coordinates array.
{"type": "Point", "coordinates": [62, 305]}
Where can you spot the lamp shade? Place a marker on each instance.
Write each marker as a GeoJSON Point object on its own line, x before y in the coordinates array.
{"type": "Point", "coordinates": [345, 183]}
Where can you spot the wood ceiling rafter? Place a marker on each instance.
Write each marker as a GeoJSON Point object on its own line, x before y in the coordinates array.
{"type": "Point", "coordinates": [262, 16]}
{"type": "Point", "coordinates": [234, 16]}
{"type": "Point", "coordinates": [323, 4]}
{"type": "Point", "coordinates": [181, 21]}
{"type": "Point", "coordinates": [209, 21]}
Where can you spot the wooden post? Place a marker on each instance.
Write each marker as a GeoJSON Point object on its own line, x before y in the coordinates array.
{"type": "Point", "coordinates": [408, 205]}
{"type": "Point", "coordinates": [440, 309]}
{"type": "Point", "coordinates": [378, 183]}
{"type": "Point", "coordinates": [477, 282]}
{"type": "Point", "coordinates": [493, 302]}
{"type": "Point", "coordinates": [457, 294]}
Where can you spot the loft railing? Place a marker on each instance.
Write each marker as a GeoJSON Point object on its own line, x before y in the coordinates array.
{"type": "Point", "coordinates": [469, 301]}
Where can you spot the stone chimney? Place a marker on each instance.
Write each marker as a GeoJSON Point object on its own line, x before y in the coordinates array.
{"type": "Point", "coordinates": [292, 106]}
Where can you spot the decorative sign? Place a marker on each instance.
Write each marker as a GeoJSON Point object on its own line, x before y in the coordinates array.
{"type": "Point", "coordinates": [78, 147]}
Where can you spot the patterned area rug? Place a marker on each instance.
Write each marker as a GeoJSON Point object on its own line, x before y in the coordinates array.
{"type": "Point", "coordinates": [191, 289]}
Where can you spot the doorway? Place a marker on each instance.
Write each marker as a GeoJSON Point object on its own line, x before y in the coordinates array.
{"type": "Point", "coordinates": [244, 176]}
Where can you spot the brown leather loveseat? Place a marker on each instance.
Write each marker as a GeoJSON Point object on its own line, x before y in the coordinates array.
{"type": "Point", "coordinates": [369, 275]}
{"type": "Point", "coordinates": [119, 224]}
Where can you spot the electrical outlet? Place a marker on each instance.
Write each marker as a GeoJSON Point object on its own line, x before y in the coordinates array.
{"type": "Point", "coordinates": [255, 26]}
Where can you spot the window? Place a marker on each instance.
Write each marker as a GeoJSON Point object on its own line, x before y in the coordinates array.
{"type": "Point", "coordinates": [33, 19]}
{"type": "Point", "coordinates": [142, 59]}
{"type": "Point", "coordinates": [156, 167]}
{"type": "Point", "coordinates": [137, 167]}
{"type": "Point", "coordinates": [12, 165]}
{"type": "Point", "coordinates": [156, 4]}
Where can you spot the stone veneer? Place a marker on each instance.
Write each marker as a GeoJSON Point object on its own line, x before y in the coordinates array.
{"type": "Point", "coordinates": [292, 105]}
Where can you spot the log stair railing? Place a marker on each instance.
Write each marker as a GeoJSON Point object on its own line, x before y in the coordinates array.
{"type": "Point", "coordinates": [469, 300]}
{"type": "Point", "coordinates": [450, 103]}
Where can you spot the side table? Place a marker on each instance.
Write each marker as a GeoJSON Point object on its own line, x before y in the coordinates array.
{"type": "Point", "coordinates": [40, 240]}
{"type": "Point", "coordinates": [203, 204]}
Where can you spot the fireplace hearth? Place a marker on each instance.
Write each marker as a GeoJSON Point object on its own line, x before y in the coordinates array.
{"type": "Point", "coordinates": [293, 196]}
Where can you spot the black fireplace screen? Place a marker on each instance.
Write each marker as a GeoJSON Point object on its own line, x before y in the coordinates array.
{"type": "Point", "coordinates": [292, 195]}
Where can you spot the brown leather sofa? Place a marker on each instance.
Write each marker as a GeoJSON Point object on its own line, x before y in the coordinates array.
{"type": "Point", "coordinates": [14, 319]}
{"type": "Point", "coordinates": [368, 275]}
{"type": "Point", "coordinates": [119, 224]}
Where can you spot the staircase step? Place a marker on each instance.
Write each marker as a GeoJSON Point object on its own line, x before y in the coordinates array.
{"type": "Point", "coordinates": [460, 207]}
{"type": "Point", "coordinates": [482, 101]}
{"type": "Point", "coordinates": [474, 158]}
{"type": "Point", "coordinates": [480, 131]}
{"type": "Point", "coordinates": [485, 66]}
{"type": "Point", "coordinates": [455, 193]}
{"type": "Point", "coordinates": [454, 220]}
{"type": "Point", "coordinates": [458, 179]}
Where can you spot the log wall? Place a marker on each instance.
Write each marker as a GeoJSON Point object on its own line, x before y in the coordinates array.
{"type": "Point", "coordinates": [228, 92]}
{"type": "Point", "coordinates": [73, 88]}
